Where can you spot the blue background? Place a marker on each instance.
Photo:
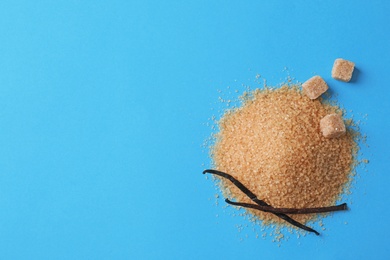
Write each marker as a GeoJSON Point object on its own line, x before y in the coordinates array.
{"type": "Point", "coordinates": [105, 105]}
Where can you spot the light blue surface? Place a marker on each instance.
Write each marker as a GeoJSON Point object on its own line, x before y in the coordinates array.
{"type": "Point", "coordinates": [104, 107]}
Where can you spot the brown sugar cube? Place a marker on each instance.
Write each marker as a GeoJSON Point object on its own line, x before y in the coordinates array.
{"type": "Point", "coordinates": [342, 70]}
{"type": "Point", "coordinates": [332, 126]}
{"type": "Point", "coordinates": [314, 87]}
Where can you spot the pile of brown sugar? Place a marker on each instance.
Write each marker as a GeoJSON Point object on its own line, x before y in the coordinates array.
{"type": "Point", "coordinates": [274, 146]}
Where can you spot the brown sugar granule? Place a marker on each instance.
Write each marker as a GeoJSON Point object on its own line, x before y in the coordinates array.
{"type": "Point", "coordinates": [332, 126]}
{"type": "Point", "coordinates": [314, 87]}
{"type": "Point", "coordinates": [274, 146]}
{"type": "Point", "coordinates": [342, 70]}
